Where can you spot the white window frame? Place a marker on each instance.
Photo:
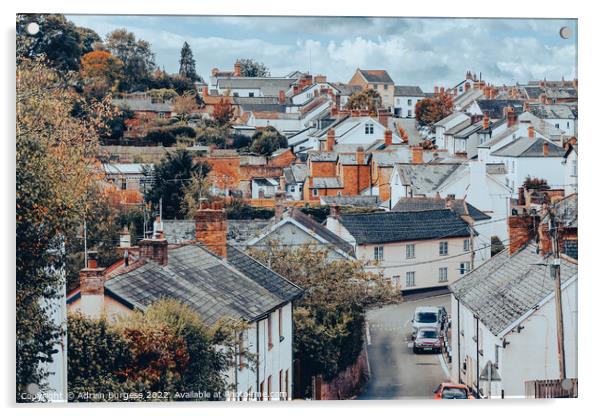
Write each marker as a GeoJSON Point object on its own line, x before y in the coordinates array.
{"type": "Point", "coordinates": [369, 128]}
{"type": "Point", "coordinates": [443, 252]}
{"type": "Point", "coordinates": [378, 253]}
{"type": "Point", "coordinates": [466, 244]}
{"type": "Point", "coordinates": [464, 267]}
{"type": "Point", "coordinates": [443, 274]}
{"type": "Point", "coordinates": [410, 251]}
{"type": "Point", "coordinates": [410, 279]}
{"type": "Point", "coordinates": [314, 192]}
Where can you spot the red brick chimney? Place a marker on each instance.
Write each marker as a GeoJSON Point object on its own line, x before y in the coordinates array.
{"type": "Point", "coordinates": [280, 197]}
{"type": "Point", "coordinates": [237, 69]}
{"type": "Point", "coordinates": [281, 97]}
{"type": "Point", "coordinates": [520, 232]}
{"type": "Point", "coordinates": [320, 79]}
{"type": "Point", "coordinates": [486, 122]}
{"type": "Point", "coordinates": [388, 137]}
{"type": "Point", "coordinates": [417, 156]}
{"type": "Point", "coordinates": [283, 183]}
{"type": "Point", "coordinates": [436, 90]}
{"type": "Point", "coordinates": [546, 148]}
{"type": "Point", "coordinates": [330, 140]}
{"type": "Point", "coordinates": [155, 248]}
{"type": "Point", "coordinates": [211, 227]}
{"type": "Point", "coordinates": [511, 117]}
{"type": "Point", "coordinates": [91, 286]}
{"type": "Point", "coordinates": [360, 155]}
{"type": "Point", "coordinates": [383, 118]}
{"type": "Point", "coordinates": [531, 131]}
{"type": "Point", "coordinates": [295, 89]}
{"type": "Point", "coordinates": [544, 241]}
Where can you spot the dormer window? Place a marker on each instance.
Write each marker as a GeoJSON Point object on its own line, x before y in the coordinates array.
{"type": "Point", "coordinates": [369, 128]}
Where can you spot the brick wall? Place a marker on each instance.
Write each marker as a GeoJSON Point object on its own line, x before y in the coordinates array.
{"type": "Point", "coordinates": [211, 229]}
{"type": "Point", "coordinates": [154, 249]}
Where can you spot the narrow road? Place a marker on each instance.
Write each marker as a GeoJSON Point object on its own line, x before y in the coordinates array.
{"type": "Point", "coordinates": [396, 372]}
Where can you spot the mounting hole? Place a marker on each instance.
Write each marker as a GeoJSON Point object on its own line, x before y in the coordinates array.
{"type": "Point", "coordinates": [33, 28]}
{"type": "Point", "coordinates": [565, 32]}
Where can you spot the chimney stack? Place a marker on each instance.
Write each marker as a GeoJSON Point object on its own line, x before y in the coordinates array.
{"type": "Point", "coordinates": [279, 205]}
{"type": "Point", "coordinates": [417, 156]}
{"type": "Point", "coordinates": [531, 131]}
{"type": "Point", "coordinates": [281, 97]}
{"type": "Point", "coordinates": [511, 117]}
{"type": "Point", "coordinates": [388, 137]}
{"type": "Point", "coordinates": [360, 155]}
{"type": "Point", "coordinates": [383, 117]}
{"type": "Point", "coordinates": [155, 248]}
{"type": "Point", "coordinates": [546, 148]}
{"type": "Point", "coordinates": [519, 232]}
{"type": "Point", "coordinates": [320, 79]}
{"type": "Point", "coordinates": [486, 122]}
{"type": "Point", "coordinates": [211, 227]}
{"type": "Point", "coordinates": [91, 285]}
{"type": "Point", "coordinates": [436, 90]}
{"type": "Point", "coordinates": [330, 140]}
{"type": "Point", "coordinates": [237, 69]}
{"type": "Point", "coordinates": [125, 239]}
{"type": "Point", "coordinates": [283, 183]}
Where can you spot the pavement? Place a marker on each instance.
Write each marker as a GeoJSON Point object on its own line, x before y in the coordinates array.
{"type": "Point", "coordinates": [395, 371]}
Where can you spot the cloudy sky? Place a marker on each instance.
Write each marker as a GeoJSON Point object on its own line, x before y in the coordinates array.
{"type": "Point", "coordinates": [415, 51]}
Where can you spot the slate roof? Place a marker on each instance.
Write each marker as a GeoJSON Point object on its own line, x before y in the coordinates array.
{"type": "Point", "coordinates": [547, 111]}
{"type": "Point", "coordinates": [467, 131]}
{"type": "Point", "coordinates": [496, 168]}
{"type": "Point", "coordinates": [527, 147]}
{"type": "Point", "coordinates": [458, 127]}
{"type": "Point", "coordinates": [263, 275]}
{"type": "Point", "coordinates": [495, 108]}
{"type": "Point", "coordinates": [350, 159]}
{"type": "Point", "coordinates": [377, 76]}
{"type": "Point", "coordinates": [323, 232]}
{"type": "Point", "coordinates": [452, 117]}
{"type": "Point", "coordinates": [243, 230]}
{"type": "Point", "coordinates": [425, 204]}
{"type": "Point", "coordinates": [295, 173]}
{"type": "Point", "coordinates": [394, 226]}
{"type": "Point", "coordinates": [362, 201]}
{"type": "Point", "coordinates": [408, 91]}
{"type": "Point", "coordinates": [346, 89]}
{"type": "Point", "coordinates": [571, 248]}
{"type": "Point", "coordinates": [504, 288]}
{"type": "Point", "coordinates": [180, 231]}
{"type": "Point", "coordinates": [318, 156]}
{"type": "Point", "coordinates": [425, 178]}
{"type": "Point", "coordinates": [270, 87]}
{"type": "Point", "coordinates": [208, 284]}
{"type": "Point", "coordinates": [326, 183]}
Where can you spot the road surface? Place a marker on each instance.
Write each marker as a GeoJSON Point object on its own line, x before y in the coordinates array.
{"type": "Point", "coordinates": [396, 372]}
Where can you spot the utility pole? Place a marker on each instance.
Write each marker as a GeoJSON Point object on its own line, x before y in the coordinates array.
{"type": "Point", "coordinates": [553, 231]}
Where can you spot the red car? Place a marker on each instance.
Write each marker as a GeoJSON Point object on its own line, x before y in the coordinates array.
{"type": "Point", "coordinates": [452, 391]}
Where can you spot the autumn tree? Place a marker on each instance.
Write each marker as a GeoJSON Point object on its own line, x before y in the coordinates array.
{"type": "Point", "coordinates": [136, 55]}
{"type": "Point", "coordinates": [431, 110]}
{"type": "Point", "coordinates": [252, 68]}
{"type": "Point", "coordinates": [367, 99]}
{"type": "Point", "coordinates": [268, 141]}
{"type": "Point", "coordinates": [185, 105]}
{"type": "Point", "coordinates": [188, 64]}
{"type": "Point", "coordinates": [54, 152]}
{"type": "Point", "coordinates": [101, 73]}
{"type": "Point", "coordinates": [223, 113]}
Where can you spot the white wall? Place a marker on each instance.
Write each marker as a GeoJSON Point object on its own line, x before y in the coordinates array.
{"type": "Point", "coordinates": [425, 264]}
{"type": "Point", "coordinates": [571, 168]}
{"type": "Point", "coordinates": [405, 109]}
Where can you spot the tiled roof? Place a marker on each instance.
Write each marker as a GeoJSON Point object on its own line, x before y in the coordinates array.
{"type": "Point", "coordinates": [208, 284]}
{"type": "Point", "coordinates": [425, 204]}
{"type": "Point", "coordinates": [319, 156]}
{"type": "Point", "coordinates": [377, 76]}
{"type": "Point", "coordinates": [504, 288]}
{"type": "Point", "coordinates": [262, 275]}
{"type": "Point", "coordinates": [387, 227]}
{"type": "Point", "coordinates": [528, 147]}
{"type": "Point", "coordinates": [317, 228]}
{"type": "Point", "coordinates": [408, 91]}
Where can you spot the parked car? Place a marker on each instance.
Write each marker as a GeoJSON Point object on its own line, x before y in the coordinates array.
{"type": "Point", "coordinates": [445, 391]}
{"type": "Point", "coordinates": [425, 316]}
{"type": "Point", "coordinates": [427, 339]}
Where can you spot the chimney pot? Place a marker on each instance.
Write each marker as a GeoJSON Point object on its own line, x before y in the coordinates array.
{"type": "Point", "coordinates": [281, 97]}
{"type": "Point", "coordinates": [486, 122]}
{"type": "Point", "coordinates": [546, 148]}
{"type": "Point", "coordinates": [237, 69]}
